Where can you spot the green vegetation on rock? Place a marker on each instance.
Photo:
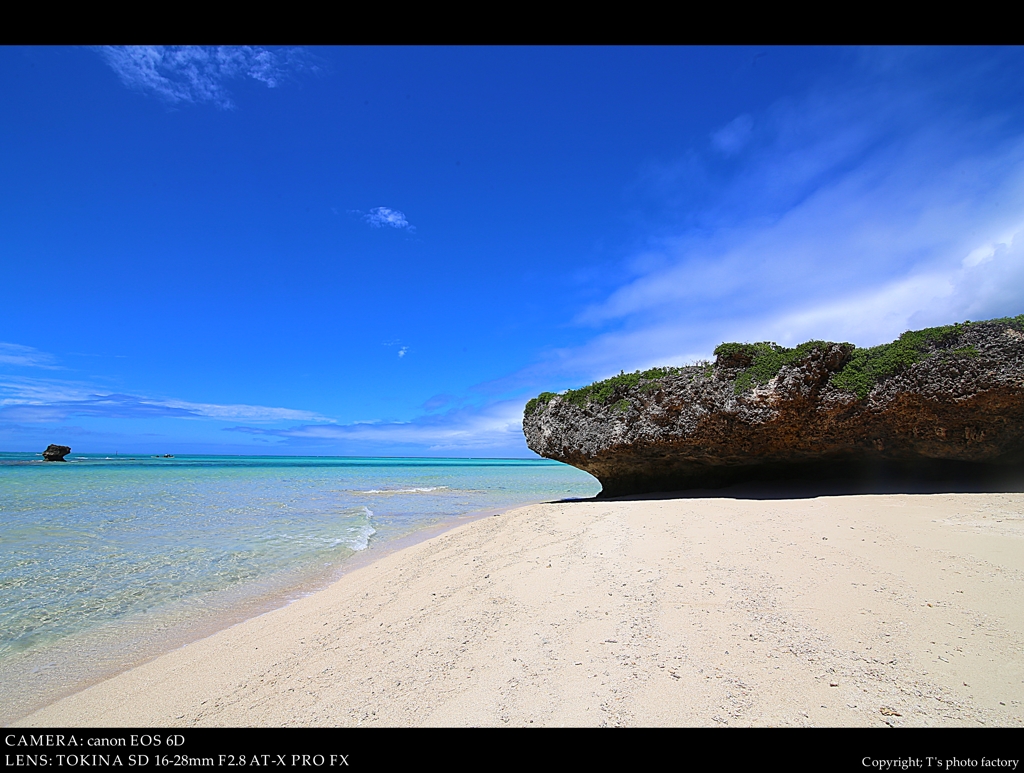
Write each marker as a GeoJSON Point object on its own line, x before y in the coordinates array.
{"type": "Point", "coordinates": [966, 351]}
{"type": "Point", "coordinates": [758, 363]}
{"type": "Point", "coordinates": [602, 392]}
{"type": "Point", "coordinates": [870, 366]}
{"type": "Point", "coordinates": [542, 399]}
{"type": "Point", "coordinates": [761, 362]}
{"type": "Point", "coordinates": [1017, 322]}
{"type": "Point", "coordinates": [605, 392]}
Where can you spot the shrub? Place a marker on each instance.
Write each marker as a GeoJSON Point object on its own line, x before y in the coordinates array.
{"type": "Point", "coordinates": [603, 392]}
{"type": "Point", "coordinates": [611, 390]}
{"type": "Point", "coordinates": [540, 400]}
{"type": "Point", "coordinates": [761, 362]}
{"type": "Point", "coordinates": [758, 363]}
{"type": "Point", "coordinates": [870, 366]}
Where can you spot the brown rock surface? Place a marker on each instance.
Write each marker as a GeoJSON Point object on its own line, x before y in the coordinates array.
{"type": "Point", "coordinates": [951, 409]}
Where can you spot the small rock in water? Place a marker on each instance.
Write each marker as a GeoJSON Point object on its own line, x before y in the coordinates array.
{"type": "Point", "coordinates": [55, 453]}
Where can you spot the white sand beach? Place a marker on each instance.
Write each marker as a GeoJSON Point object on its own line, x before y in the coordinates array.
{"type": "Point", "coordinates": [868, 610]}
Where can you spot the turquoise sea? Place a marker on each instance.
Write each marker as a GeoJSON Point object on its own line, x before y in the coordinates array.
{"type": "Point", "coordinates": [106, 562]}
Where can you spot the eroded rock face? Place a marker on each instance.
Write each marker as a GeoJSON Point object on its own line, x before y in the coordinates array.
{"type": "Point", "coordinates": [54, 453]}
{"type": "Point", "coordinates": [959, 408]}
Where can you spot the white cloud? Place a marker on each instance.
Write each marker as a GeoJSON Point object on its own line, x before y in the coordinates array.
{"type": "Point", "coordinates": [866, 313]}
{"type": "Point", "coordinates": [402, 351]}
{"type": "Point", "coordinates": [241, 412]}
{"type": "Point", "coordinates": [379, 217]}
{"type": "Point", "coordinates": [496, 427]}
{"type": "Point", "coordinates": [26, 357]}
{"type": "Point", "coordinates": [198, 73]}
{"type": "Point", "coordinates": [861, 212]}
{"type": "Point", "coordinates": [33, 399]}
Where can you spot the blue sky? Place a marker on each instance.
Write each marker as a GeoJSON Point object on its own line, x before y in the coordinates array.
{"type": "Point", "coordinates": [387, 251]}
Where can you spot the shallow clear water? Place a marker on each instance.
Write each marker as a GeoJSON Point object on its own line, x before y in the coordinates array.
{"type": "Point", "coordinates": [107, 561]}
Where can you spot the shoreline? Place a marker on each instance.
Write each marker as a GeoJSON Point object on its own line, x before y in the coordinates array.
{"type": "Point", "coordinates": [857, 610]}
{"type": "Point", "coordinates": [249, 606]}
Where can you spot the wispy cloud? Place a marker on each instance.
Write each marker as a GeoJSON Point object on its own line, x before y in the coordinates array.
{"type": "Point", "coordinates": [497, 427]}
{"type": "Point", "coordinates": [47, 400]}
{"type": "Point", "coordinates": [26, 357]}
{"type": "Point", "coordinates": [200, 74]}
{"type": "Point", "coordinates": [385, 217]}
{"type": "Point", "coordinates": [854, 213]}
{"type": "Point", "coordinates": [242, 412]}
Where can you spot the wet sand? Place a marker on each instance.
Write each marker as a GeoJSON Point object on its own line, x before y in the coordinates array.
{"type": "Point", "coordinates": [869, 610]}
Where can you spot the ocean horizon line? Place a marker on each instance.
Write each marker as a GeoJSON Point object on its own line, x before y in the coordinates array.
{"type": "Point", "coordinates": [154, 455]}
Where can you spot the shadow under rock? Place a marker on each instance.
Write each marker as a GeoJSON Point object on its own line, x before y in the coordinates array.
{"type": "Point", "coordinates": [843, 478]}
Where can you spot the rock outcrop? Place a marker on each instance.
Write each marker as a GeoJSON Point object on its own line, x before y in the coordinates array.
{"type": "Point", "coordinates": [940, 402]}
{"type": "Point", "coordinates": [54, 453]}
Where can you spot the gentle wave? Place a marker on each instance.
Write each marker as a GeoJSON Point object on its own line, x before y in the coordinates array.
{"type": "Point", "coordinates": [359, 536]}
{"type": "Point", "coordinates": [421, 490]}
